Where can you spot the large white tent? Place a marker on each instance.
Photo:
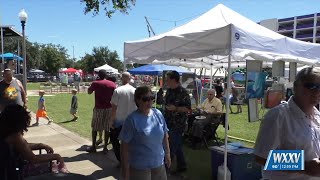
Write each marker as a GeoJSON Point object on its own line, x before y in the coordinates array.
{"type": "Point", "coordinates": [223, 32]}
{"type": "Point", "coordinates": [107, 68]}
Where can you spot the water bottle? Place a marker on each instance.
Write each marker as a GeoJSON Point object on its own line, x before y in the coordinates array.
{"type": "Point", "coordinates": [221, 173]}
{"type": "Point", "coordinates": [186, 128]}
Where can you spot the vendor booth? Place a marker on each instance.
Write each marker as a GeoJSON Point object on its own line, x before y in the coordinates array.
{"type": "Point", "coordinates": [153, 69]}
{"type": "Point", "coordinates": [232, 38]}
{"type": "Point", "coordinates": [107, 68]}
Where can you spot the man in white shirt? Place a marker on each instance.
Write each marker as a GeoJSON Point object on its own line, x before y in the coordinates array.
{"type": "Point", "coordinates": [212, 108]}
{"type": "Point", "coordinates": [294, 125]}
{"type": "Point", "coordinates": [123, 104]}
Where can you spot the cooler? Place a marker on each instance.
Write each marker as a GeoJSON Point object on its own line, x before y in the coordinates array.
{"type": "Point", "coordinates": [241, 163]}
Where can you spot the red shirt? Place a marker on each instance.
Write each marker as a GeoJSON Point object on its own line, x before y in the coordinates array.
{"type": "Point", "coordinates": [103, 90]}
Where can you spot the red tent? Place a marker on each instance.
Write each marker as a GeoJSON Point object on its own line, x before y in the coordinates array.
{"type": "Point", "coordinates": [70, 70]}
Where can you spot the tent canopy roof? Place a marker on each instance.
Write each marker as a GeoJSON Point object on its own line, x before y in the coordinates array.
{"type": "Point", "coordinates": [10, 56]}
{"type": "Point", "coordinates": [9, 31]}
{"type": "Point", "coordinates": [36, 71]}
{"type": "Point", "coordinates": [227, 33]}
{"type": "Point", "coordinates": [153, 69]}
{"type": "Point", "coordinates": [70, 70]}
{"type": "Point", "coordinates": [107, 68]}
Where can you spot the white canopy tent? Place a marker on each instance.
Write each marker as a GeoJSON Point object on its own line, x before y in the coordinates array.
{"type": "Point", "coordinates": [107, 68]}
{"type": "Point", "coordinates": [221, 31]}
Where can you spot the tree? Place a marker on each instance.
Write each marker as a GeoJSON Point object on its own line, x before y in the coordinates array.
{"type": "Point", "coordinates": [53, 58]}
{"type": "Point", "coordinates": [98, 57]}
{"type": "Point", "coordinates": [109, 6]}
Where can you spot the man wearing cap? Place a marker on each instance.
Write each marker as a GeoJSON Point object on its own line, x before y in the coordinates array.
{"type": "Point", "coordinates": [11, 90]}
{"type": "Point", "coordinates": [77, 80]}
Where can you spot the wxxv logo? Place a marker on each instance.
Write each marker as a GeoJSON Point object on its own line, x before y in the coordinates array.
{"type": "Point", "coordinates": [285, 160]}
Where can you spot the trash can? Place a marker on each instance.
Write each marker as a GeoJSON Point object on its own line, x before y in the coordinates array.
{"type": "Point", "coordinates": [241, 163]}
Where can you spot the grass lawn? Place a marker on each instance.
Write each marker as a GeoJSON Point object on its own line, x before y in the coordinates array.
{"type": "Point", "coordinates": [58, 108]}
{"type": "Point", "coordinates": [33, 86]}
{"type": "Point", "coordinates": [199, 161]}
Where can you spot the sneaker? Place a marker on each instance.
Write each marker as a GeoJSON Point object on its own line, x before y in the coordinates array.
{"type": "Point", "coordinates": [75, 119]}
{"type": "Point", "coordinates": [91, 150]}
{"type": "Point", "coordinates": [50, 121]}
{"type": "Point", "coordinates": [36, 124]}
{"type": "Point", "coordinates": [98, 142]}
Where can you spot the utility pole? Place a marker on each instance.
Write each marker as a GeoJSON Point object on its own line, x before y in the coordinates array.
{"type": "Point", "coordinates": [149, 27]}
{"type": "Point", "coordinates": [73, 60]}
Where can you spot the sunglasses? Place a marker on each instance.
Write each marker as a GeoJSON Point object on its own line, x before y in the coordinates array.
{"type": "Point", "coordinates": [311, 86]}
{"type": "Point", "coordinates": [147, 98]}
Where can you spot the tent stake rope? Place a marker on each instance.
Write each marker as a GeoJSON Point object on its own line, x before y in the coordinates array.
{"type": "Point", "coordinates": [237, 138]}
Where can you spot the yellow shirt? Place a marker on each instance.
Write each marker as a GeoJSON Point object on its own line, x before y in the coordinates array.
{"type": "Point", "coordinates": [212, 106]}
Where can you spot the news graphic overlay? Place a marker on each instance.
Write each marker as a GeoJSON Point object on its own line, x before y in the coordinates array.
{"type": "Point", "coordinates": [285, 160]}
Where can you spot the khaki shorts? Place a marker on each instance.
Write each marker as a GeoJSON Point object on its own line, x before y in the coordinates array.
{"type": "Point", "coordinates": [100, 119]}
{"type": "Point", "coordinates": [149, 174]}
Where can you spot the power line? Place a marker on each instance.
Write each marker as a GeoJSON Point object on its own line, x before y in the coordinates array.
{"type": "Point", "coordinates": [175, 21]}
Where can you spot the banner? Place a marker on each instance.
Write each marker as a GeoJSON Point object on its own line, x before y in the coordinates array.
{"type": "Point", "coordinates": [256, 83]}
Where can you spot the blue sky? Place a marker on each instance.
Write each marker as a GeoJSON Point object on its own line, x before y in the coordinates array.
{"type": "Point", "coordinates": [63, 22]}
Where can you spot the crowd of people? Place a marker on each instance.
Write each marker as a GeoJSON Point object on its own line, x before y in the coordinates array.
{"type": "Point", "coordinates": [146, 140]}
{"type": "Point", "coordinates": [139, 133]}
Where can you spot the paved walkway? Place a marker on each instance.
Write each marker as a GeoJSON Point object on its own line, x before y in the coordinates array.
{"type": "Point", "coordinates": [72, 147]}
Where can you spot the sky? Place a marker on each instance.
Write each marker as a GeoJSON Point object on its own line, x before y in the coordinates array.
{"type": "Point", "coordinates": [63, 21]}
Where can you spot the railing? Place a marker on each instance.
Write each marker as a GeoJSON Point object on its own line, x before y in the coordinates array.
{"type": "Point", "coordinates": [286, 19]}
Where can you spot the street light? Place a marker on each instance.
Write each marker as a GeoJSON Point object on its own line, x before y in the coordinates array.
{"type": "Point", "coordinates": [23, 16]}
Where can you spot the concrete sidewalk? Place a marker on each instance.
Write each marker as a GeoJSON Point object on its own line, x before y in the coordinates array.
{"type": "Point", "coordinates": [72, 147]}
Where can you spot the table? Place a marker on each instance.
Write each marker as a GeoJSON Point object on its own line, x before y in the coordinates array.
{"type": "Point", "coordinates": [58, 176]}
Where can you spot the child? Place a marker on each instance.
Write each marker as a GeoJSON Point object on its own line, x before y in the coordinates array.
{"type": "Point", "coordinates": [74, 105]}
{"type": "Point", "coordinates": [42, 112]}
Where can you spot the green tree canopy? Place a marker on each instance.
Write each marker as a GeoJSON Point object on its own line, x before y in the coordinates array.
{"type": "Point", "coordinates": [109, 6]}
{"type": "Point", "coordinates": [48, 57]}
{"type": "Point", "coordinates": [100, 56]}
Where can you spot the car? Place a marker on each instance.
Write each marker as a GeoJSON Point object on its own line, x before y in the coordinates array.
{"type": "Point", "coordinates": [37, 77]}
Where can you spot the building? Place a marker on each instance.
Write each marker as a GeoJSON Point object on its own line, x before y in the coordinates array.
{"type": "Point", "coordinates": [305, 27]}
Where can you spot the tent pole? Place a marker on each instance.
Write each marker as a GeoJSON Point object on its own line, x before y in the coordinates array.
{"type": "Point", "coordinates": [2, 50]}
{"type": "Point", "coordinates": [18, 61]}
{"type": "Point", "coordinates": [227, 116]}
{"type": "Point", "coordinates": [156, 90]}
{"type": "Point", "coordinates": [124, 64]}
{"type": "Point", "coordinates": [211, 77]}
{"type": "Point", "coordinates": [200, 94]}
{"type": "Point", "coordinates": [215, 72]}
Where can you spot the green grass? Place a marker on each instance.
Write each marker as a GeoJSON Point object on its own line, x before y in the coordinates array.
{"type": "Point", "coordinates": [33, 86]}
{"type": "Point", "coordinates": [240, 127]}
{"type": "Point", "coordinates": [199, 161]}
{"type": "Point", "coordinates": [58, 108]}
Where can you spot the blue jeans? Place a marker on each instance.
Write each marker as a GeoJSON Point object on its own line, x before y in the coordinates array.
{"type": "Point", "coordinates": [175, 141]}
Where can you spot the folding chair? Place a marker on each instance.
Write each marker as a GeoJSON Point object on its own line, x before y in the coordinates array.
{"type": "Point", "coordinates": [210, 131]}
{"type": "Point", "coordinates": [12, 167]}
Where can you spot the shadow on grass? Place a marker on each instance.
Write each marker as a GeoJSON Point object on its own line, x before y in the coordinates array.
{"type": "Point", "coordinates": [69, 121]}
